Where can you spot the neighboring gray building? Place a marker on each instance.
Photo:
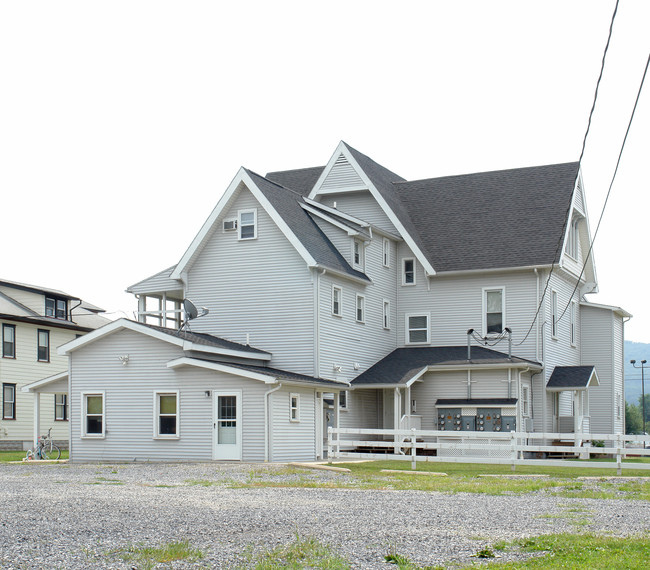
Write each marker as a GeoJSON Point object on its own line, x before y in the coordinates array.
{"type": "Point", "coordinates": [357, 290]}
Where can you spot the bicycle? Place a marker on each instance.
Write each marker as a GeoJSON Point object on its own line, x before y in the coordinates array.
{"type": "Point", "coordinates": [45, 449]}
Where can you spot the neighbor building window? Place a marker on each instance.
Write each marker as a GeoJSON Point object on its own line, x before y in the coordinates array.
{"type": "Point", "coordinates": [166, 422]}
{"type": "Point", "coordinates": [8, 401]}
{"type": "Point", "coordinates": [43, 345]}
{"type": "Point", "coordinates": [60, 407]}
{"type": "Point", "coordinates": [417, 329]}
{"type": "Point", "coordinates": [9, 341]}
{"type": "Point", "coordinates": [494, 314]}
{"type": "Point", "coordinates": [408, 271]}
{"type": "Point", "coordinates": [385, 254]}
{"type": "Point", "coordinates": [386, 315]}
{"type": "Point", "coordinates": [337, 296]}
{"type": "Point", "coordinates": [294, 407]}
{"type": "Point", "coordinates": [247, 224]}
{"type": "Point", "coordinates": [554, 314]}
{"type": "Point", "coordinates": [92, 413]}
{"type": "Point", "coordinates": [360, 309]}
{"type": "Point", "coordinates": [57, 308]}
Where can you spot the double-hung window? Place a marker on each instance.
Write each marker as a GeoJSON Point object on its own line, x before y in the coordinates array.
{"type": "Point", "coordinates": [166, 423]}
{"type": "Point", "coordinates": [417, 329]}
{"type": "Point", "coordinates": [337, 297]}
{"type": "Point", "coordinates": [43, 345]}
{"type": "Point", "coordinates": [408, 271]}
{"type": "Point", "coordinates": [385, 253]}
{"type": "Point", "coordinates": [357, 254]}
{"type": "Point", "coordinates": [60, 407]}
{"type": "Point", "coordinates": [294, 407]}
{"type": "Point", "coordinates": [57, 308]}
{"type": "Point", "coordinates": [494, 313]}
{"type": "Point", "coordinates": [92, 413]}
{"type": "Point", "coordinates": [360, 309]}
{"type": "Point", "coordinates": [386, 314]}
{"type": "Point", "coordinates": [9, 341]}
{"type": "Point", "coordinates": [247, 224]}
{"type": "Point", "coordinates": [8, 401]}
{"type": "Point", "coordinates": [343, 400]}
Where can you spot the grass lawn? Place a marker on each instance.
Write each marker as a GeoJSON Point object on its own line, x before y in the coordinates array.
{"type": "Point", "coordinates": [20, 455]}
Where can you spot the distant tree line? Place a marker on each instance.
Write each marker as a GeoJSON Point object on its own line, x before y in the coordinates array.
{"type": "Point", "coordinates": [634, 417]}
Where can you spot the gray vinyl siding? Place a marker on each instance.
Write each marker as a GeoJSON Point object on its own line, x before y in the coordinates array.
{"type": "Point", "coordinates": [342, 175]}
{"type": "Point", "coordinates": [361, 205]}
{"type": "Point", "coordinates": [129, 402]}
{"type": "Point", "coordinates": [363, 410]}
{"type": "Point", "coordinates": [602, 347]}
{"type": "Point", "coordinates": [344, 341]}
{"type": "Point", "coordinates": [293, 441]}
{"type": "Point", "coordinates": [559, 351]}
{"type": "Point", "coordinates": [455, 304]}
{"type": "Point", "coordinates": [261, 287]}
{"type": "Point", "coordinates": [157, 284]}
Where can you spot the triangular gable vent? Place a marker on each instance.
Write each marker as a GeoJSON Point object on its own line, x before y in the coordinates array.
{"type": "Point", "coordinates": [342, 176]}
{"type": "Point", "coordinates": [580, 199]}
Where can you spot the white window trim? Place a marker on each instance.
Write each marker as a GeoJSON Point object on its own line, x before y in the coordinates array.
{"type": "Point", "coordinates": [295, 419]}
{"type": "Point", "coordinates": [84, 434]}
{"type": "Point", "coordinates": [486, 290]}
{"type": "Point", "coordinates": [362, 299]}
{"type": "Point", "coordinates": [407, 330]}
{"type": "Point", "coordinates": [554, 323]}
{"type": "Point", "coordinates": [385, 252]}
{"type": "Point", "coordinates": [156, 414]}
{"type": "Point", "coordinates": [385, 316]}
{"type": "Point", "coordinates": [240, 225]}
{"type": "Point", "coordinates": [404, 283]}
{"type": "Point", "coordinates": [340, 311]}
{"type": "Point", "coordinates": [344, 406]}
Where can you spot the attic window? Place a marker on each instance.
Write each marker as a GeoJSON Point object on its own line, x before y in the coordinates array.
{"type": "Point", "coordinates": [357, 253]}
{"type": "Point", "coordinates": [247, 224]}
{"type": "Point", "coordinates": [57, 308]}
{"type": "Point", "coordinates": [572, 243]}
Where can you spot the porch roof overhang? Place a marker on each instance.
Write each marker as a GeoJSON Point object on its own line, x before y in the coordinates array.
{"type": "Point", "coordinates": [572, 378]}
{"type": "Point", "coordinates": [260, 373]}
{"type": "Point", "coordinates": [49, 385]}
{"type": "Point", "coordinates": [404, 366]}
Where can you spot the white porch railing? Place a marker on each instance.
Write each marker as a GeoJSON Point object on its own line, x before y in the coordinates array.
{"type": "Point", "coordinates": [514, 448]}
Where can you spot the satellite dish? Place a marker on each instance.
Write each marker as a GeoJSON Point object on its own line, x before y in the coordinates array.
{"type": "Point", "coordinates": [190, 310]}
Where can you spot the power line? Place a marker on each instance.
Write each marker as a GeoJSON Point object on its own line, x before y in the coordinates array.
{"type": "Point", "coordinates": [618, 162]}
{"type": "Point", "coordinates": [582, 152]}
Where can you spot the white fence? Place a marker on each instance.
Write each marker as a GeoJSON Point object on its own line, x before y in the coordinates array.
{"type": "Point", "coordinates": [513, 448]}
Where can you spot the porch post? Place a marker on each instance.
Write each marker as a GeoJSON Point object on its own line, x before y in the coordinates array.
{"type": "Point", "coordinates": [319, 425]}
{"type": "Point", "coordinates": [397, 401]}
{"type": "Point", "coordinates": [37, 417]}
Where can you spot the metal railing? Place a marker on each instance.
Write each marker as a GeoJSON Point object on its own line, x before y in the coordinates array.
{"type": "Point", "coordinates": [509, 448]}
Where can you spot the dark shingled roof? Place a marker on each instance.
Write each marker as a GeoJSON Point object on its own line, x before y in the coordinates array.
{"type": "Point", "coordinates": [288, 205]}
{"type": "Point", "coordinates": [508, 218]}
{"type": "Point", "coordinates": [570, 377]}
{"type": "Point", "coordinates": [403, 363]}
{"type": "Point", "coordinates": [487, 402]}
{"type": "Point", "coordinates": [302, 180]}
{"type": "Point", "coordinates": [205, 339]}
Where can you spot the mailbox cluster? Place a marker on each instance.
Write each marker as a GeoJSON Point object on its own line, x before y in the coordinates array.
{"type": "Point", "coordinates": [486, 419]}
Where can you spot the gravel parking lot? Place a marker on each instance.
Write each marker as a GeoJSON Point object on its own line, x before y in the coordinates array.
{"type": "Point", "coordinates": [81, 516]}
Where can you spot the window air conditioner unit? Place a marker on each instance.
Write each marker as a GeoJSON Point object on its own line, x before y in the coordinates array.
{"type": "Point", "coordinates": [229, 225]}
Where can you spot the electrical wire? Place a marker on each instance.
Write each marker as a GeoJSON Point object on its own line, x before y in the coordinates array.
{"type": "Point", "coordinates": [582, 152]}
{"type": "Point", "coordinates": [602, 212]}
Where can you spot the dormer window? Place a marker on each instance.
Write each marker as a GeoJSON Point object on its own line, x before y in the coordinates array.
{"type": "Point", "coordinates": [57, 308]}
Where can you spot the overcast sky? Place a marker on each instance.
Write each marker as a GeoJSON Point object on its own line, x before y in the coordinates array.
{"type": "Point", "coordinates": [122, 123]}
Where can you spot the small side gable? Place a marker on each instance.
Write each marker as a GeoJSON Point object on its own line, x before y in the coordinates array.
{"type": "Point", "coordinates": [241, 181]}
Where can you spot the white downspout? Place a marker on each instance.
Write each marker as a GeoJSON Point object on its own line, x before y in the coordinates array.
{"type": "Point", "coordinates": [266, 420]}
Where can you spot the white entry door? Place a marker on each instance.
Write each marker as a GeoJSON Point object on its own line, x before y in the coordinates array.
{"type": "Point", "coordinates": [226, 440]}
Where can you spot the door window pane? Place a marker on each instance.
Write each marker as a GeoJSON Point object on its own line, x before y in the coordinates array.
{"type": "Point", "coordinates": [227, 420]}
